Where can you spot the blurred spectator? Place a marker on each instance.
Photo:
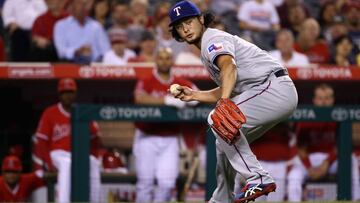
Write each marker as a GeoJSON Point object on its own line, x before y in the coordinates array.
{"type": "Point", "coordinates": [308, 42]}
{"type": "Point", "coordinates": [316, 144]}
{"type": "Point", "coordinates": [120, 15]}
{"type": "Point", "coordinates": [279, 142]}
{"type": "Point", "coordinates": [164, 37]}
{"type": "Point", "coordinates": [258, 16]}
{"type": "Point", "coordinates": [139, 14]}
{"type": "Point", "coordinates": [147, 47]}
{"type": "Point", "coordinates": [328, 14]}
{"type": "Point", "coordinates": [260, 20]}
{"type": "Point", "coordinates": [345, 53]}
{"type": "Point", "coordinates": [221, 7]}
{"type": "Point", "coordinates": [285, 51]}
{"type": "Point", "coordinates": [161, 9]}
{"type": "Point", "coordinates": [352, 17]}
{"type": "Point", "coordinates": [79, 38]}
{"type": "Point", "coordinates": [18, 17]}
{"type": "Point", "coordinates": [43, 48]}
{"type": "Point", "coordinates": [284, 11]}
{"type": "Point", "coordinates": [332, 23]}
{"type": "Point", "coordinates": [315, 6]}
{"type": "Point", "coordinates": [119, 54]}
{"type": "Point", "coordinates": [52, 143]}
{"type": "Point", "coordinates": [156, 145]}
{"type": "Point", "coordinates": [191, 56]}
{"type": "Point", "coordinates": [100, 11]}
{"type": "Point", "coordinates": [296, 18]}
{"type": "Point", "coordinates": [140, 21]}
{"type": "Point", "coordinates": [218, 24]}
{"type": "Point", "coordinates": [336, 29]}
{"type": "Point", "coordinates": [15, 186]}
{"type": "Point", "coordinates": [202, 5]}
{"type": "Point", "coordinates": [227, 11]}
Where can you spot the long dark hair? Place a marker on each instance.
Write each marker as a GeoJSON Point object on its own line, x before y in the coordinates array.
{"type": "Point", "coordinates": [208, 21]}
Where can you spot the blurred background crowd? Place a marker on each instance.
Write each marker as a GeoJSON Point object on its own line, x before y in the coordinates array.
{"type": "Point", "coordinates": [118, 31]}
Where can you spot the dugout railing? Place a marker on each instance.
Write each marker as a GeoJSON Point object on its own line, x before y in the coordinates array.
{"type": "Point", "coordinates": [82, 114]}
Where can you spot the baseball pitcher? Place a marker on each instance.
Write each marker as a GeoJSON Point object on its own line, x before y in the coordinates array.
{"type": "Point", "coordinates": [254, 93]}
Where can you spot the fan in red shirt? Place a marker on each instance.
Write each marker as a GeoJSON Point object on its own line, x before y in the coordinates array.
{"type": "Point", "coordinates": [316, 145]}
{"type": "Point", "coordinates": [308, 43]}
{"type": "Point", "coordinates": [52, 142]}
{"type": "Point", "coordinates": [42, 32]}
{"type": "Point", "coordinates": [14, 186]}
{"type": "Point", "coordinates": [156, 146]}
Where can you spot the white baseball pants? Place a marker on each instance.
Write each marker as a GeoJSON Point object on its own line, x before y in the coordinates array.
{"type": "Point", "coordinates": [62, 161]}
{"type": "Point", "coordinates": [156, 157]}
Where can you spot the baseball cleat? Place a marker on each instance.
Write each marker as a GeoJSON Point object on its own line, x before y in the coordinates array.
{"type": "Point", "coordinates": [252, 191]}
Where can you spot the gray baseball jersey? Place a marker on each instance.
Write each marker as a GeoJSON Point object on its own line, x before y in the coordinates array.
{"type": "Point", "coordinates": [264, 97]}
{"type": "Point", "coordinates": [254, 65]}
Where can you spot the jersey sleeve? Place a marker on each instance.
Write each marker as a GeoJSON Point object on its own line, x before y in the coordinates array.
{"type": "Point", "coordinates": [41, 143]}
{"type": "Point", "coordinates": [219, 46]}
{"type": "Point", "coordinates": [44, 127]}
{"type": "Point", "coordinates": [41, 155]}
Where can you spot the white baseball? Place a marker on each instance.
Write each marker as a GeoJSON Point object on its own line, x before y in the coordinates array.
{"type": "Point", "coordinates": [174, 90]}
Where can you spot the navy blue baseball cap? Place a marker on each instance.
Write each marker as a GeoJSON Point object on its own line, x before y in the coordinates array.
{"type": "Point", "coordinates": [181, 10]}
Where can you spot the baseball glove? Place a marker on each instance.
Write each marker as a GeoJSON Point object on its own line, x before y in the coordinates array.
{"type": "Point", "coordinates": [227, 120]}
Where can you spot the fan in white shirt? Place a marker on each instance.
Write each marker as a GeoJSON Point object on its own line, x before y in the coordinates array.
{"type": "Point", "coordinates": [18, 17]}
{"type": "Point", "coordinates": [22, 13]}
{"type": "Point", "coordinates": [258, 15]}
{"type": "Point", "coordinates": [119, 54]}
{"type": "Point", "coordinates": [285, 52]}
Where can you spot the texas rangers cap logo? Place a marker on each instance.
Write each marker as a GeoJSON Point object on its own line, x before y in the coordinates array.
{"type": "Point", "coordinates": [182, 10]}
{"type": "Point", "coordinates": [176, 9]}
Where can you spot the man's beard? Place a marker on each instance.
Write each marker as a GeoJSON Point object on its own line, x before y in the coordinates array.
{"type": "Point", "coordinates": [167, 71]}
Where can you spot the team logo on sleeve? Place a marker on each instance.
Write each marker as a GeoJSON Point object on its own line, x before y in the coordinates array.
{"type": "Point", "coordinates": [215, 47]}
